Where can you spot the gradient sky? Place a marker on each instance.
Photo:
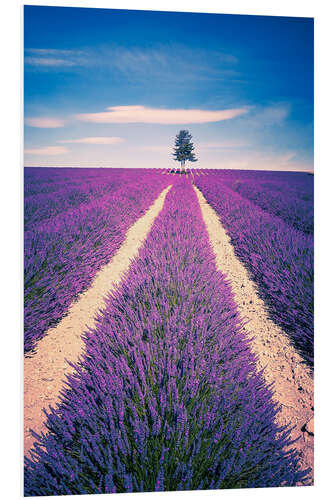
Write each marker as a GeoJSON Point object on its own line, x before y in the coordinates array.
{"type": "Point", "coordinates": [113, 88]}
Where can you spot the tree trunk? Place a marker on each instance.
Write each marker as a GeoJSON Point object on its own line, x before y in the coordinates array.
{"type": "Point", "coordinates": [182, 166]}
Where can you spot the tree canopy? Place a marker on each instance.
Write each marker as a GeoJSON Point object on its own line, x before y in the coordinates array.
{"type": "Point", "coordinates": [184, 148]}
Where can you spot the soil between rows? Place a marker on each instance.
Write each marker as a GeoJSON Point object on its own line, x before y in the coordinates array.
{"type": "Point", "coordinates": [281, 364]}
{"type": "Point", "coordinates": [44, 373]}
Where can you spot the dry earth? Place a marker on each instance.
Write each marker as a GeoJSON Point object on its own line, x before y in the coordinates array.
{"type": "Point", "coordinates": [44, 373]}
{"type": "Point", "coordinates": [282, 365]}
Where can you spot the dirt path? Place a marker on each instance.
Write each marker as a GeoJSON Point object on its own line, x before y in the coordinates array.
{"type": "Point", "coordinates": [45, 371]}
{"type": "Point", "coordinates": [282, 365]}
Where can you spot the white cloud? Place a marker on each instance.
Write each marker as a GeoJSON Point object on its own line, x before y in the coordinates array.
{"type": "Point", "coordinates": [227, 144]}
{"type": "Point", "coordinates": [54, 57]}
{"type": "Point", "coordinates": [161, 61]}
{"type": "Point", "coordinates": [166, 62]}
{"type": "Point", "coordinates": [156, 148]}
{"type": "Point", "coordinates": [45, 122]}
{"type": "Point", "coordinates": [270, 115]}
{"type": "Point", "coordinates": [201, 146]}
{"type": "Point", "coordinates": [274, 158]}
{"type": "Point", "coordinates": [287, 157]}
{"type": "Point", "coordinates": [142, 114]}
{"type": "Point", "coordinates": [259, 160]}
{"type": "Point", "coordinates": [53, 52]}
{"type": "Point", "coordinates": [47, 61]}
{"type": "Point", "coordinates": [93, 140]}
{"type": "Point", "coordinates": [47, 151]}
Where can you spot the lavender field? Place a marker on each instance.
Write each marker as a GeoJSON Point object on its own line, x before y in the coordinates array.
{"type": "Point", "coordinates": [269, 217]}
{"type": "Point", "coordinates": [167, 393]}
{"type": "Point", "coordinates": [75, 220]}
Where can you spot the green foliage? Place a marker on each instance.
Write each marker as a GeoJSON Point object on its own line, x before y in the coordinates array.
{"type": "Point", "coordinates": [184, 148]}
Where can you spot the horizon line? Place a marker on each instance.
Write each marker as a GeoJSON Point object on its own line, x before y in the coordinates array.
{"type": "Point", "coordinates": [169, 168]}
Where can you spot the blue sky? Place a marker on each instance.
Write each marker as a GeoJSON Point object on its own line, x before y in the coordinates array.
{"type": "Point", "coordinates": [113, 87]}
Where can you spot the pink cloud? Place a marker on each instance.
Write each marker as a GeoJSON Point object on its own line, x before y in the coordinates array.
{"type": "Point", "coordinates": [47, 151]}
{"type": "Point", "coordinates": [228, 144]}
{"type": "Point", "coordinates": [157, 149]}
{"type": "Point", "coordinates": [287, 157]}
{"type": "Point", "coordinates": [94, 140]}
{"type": "Point", "coordinates": [257, 160]}
{"type": "Point", "coordinates": [45, 122]}
{"type": "Point", "coordinates": [142, 114]}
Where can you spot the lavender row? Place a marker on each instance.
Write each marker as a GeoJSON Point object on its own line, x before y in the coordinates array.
{"type": "Point", "coordinates": [71, 191]}
{"type": "Point", "coordinates": [42, 180]}
{"type": "Point", "coordinates": [288, 195]}
{"type": "Point", "coordinates": [166, 395]}
{"type": "Point", "coordinates": [279, 258]}
{"type": "Point", "coordinates": [294, 207]}
{"type": "Point", "coordinates": [63, 253]}
{"type": "Point", "coordinates": [48, 179]}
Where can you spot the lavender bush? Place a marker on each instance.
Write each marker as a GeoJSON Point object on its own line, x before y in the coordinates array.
{"type": "Point", "coordinates": [288, 195]}
{"type": "Point", "coordinates": [44, 200]}
{"type": "Point", "coordinates": [166, 395]}
{"type": "Point", "coordinates": [45, 180]}
{"type": "Point", "coordinates": [279, 258]}
{"type": "Point", "coordinates": [63, 252]}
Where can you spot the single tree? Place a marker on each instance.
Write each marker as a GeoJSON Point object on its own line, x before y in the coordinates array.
{"type": "Point", "coordinates": [183, 150]}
